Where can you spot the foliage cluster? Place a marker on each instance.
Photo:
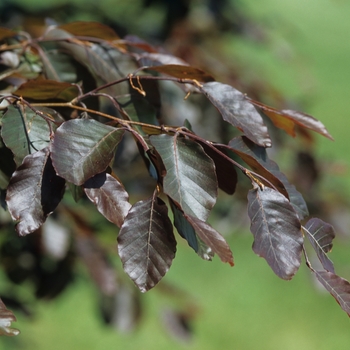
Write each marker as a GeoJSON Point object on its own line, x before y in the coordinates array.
{"type": "Point", "coordinates": [77, 99]}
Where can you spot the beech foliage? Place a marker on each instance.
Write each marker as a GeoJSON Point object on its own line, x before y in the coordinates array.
{"type": "Point", "coordinates": [72, 100]}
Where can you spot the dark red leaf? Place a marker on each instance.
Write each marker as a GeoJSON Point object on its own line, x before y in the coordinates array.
{"type": "Point", "coordinates": [321, 235]}
{"type": "Point", "coordinates": [44, 89]}
{"type": "Point", "coordinates": [257, 162]}
{"type": "Point", "coordinates": [212, 239]}
{"type": "Point", "coordinates": [236, 109]}
{"type": "Point", "coordinates": [286, 120]}
{"type": "Point", "coordinates": [34, 192]}
{"type": "Point", "coordinates": [277, 231]}
{"type": "Point", "coordinates": [90, 29]}
{"type": "Point", "coordinates": [146, 243]}
{"type": "Point", "coordinates": [183, 72]}
{"type": "Point", "coordinates": [109, 196]}
{"type": "Point", "coordinates": [337, 286]}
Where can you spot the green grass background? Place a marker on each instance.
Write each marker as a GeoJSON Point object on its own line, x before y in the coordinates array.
{"type": "Point", "coordinates": [246, 307]}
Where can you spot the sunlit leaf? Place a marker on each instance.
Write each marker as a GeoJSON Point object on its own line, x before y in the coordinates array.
{"type": "Point", "coordinates": [321, 235]}
{"type": "Point", "coordinates": [90, 29]}
{"type": "Point", "coordinates": [109, 196]}
{"type": "Point", "coordinates": [190, 178]}
{"type": "Point", "coordinates": [34, 192]}
{"type": "Point", "coordinates": [6, 318]}
{"type": "Point", "coordinates": [236, 109]}
{"type": "Point", "coordinates": [337, 286]}
{"type": "Point", "coordinates": [159, 59]}
{"type": "Point", "coordinates": [286, 120]}
{"type": "Point", "coordinates": [183, 72]}
{"type": "Point", "coordinates": [83, 148]}
{"type": "Point", "coordinates": [277, 231]}
{"type": "Point", "coordinates": [212, 239]}
{"type": "Point", "coordinates": [25, 132]}
{"type": "Point", "coordinates": [186, 231]}
{"type": "Point", "coordinates": [256, 157]}
{"type": "Point", "coordinates": [41, 89]}
{"type": "Point", "coordinates": [146, 243]}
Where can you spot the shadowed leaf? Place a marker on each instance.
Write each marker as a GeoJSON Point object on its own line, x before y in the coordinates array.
{"type": "Point", "coordinates": [236, 109]}
{"type": "Point", "coordinates": [337, 286]}
{"type": "Point", "coordinates": [146, 243]}
{"type": "Point", "coordinates": [256, 157]}
{"type": "Point", "coordinates": [109, 196]}
{"type": "Point", "coordinates": [212, 239]}
{"type": "Point", "coordinates": [225, 170]}
{"type": "Point", "coordinates": [190, 178]}
{"type": "Point", "coordinates": [34, 192]}
{"type": "Point", "coordinates": [6, 318]}
{"type": "Point", "coordinates": [25, 132]}
{"type": "Point", "coordinates": [321, 235]}
{"type": "Point", "coordinates": [83, 148]}
{"type": "Point", "coordinates": [44, 89]}
{"type": "Point", "coordinates": [286, 120]}
{"type": "Point", "coordinates": [277, 231]}
{"type": "Point", "coordinates": [186, 231]}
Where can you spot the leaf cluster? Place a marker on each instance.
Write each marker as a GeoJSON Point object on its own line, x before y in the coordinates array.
{"type": "Point", "coordinates": [72, 99]}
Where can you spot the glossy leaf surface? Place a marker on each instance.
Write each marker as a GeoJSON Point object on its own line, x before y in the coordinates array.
{"type": "Point", "coordinates": [83, 148]}
{"type": "Point", "coordinates": [277, 231]}
{"type": "Point", "coordinates": [25, 132]}
{"type": "Point", "coordinates": [34, 192]}
{"type": "Point", "coordinates": [146, 243]}
{"type": "Point", "coordinates": [321, 235]}
{"type": "Point", "coordinates": [190, 178]}
{"type": "Point", "coordinates": [109, 196]}
{"type": "Point", "coordinates": [238, 111]}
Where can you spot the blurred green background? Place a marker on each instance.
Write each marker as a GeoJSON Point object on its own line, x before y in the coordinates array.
{"type": "Point", "coordinates": [302, 49]}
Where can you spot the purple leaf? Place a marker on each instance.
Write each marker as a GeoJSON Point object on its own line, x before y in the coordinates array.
{"type": "Point", "coordinates": [212, 239]}
{"type": "Point", "coordinates": [83, 148]}
{"type": "Point", "coordinates": [146, 243]}
{"type": "Point", "coordinates": [337, 286]}
{"type": "Point", "coordinates": [190, 178]}
{"type": "Point", "coordinates": [321, 235]}
{"type": "Point", "coordinates": [109, 196]}
{"type": "Point", "coordinates": [34, 192]}
{"type": "Point", "coordinates": [277, 231]}
{"type": "Point", "coordinates": [236, 109]}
